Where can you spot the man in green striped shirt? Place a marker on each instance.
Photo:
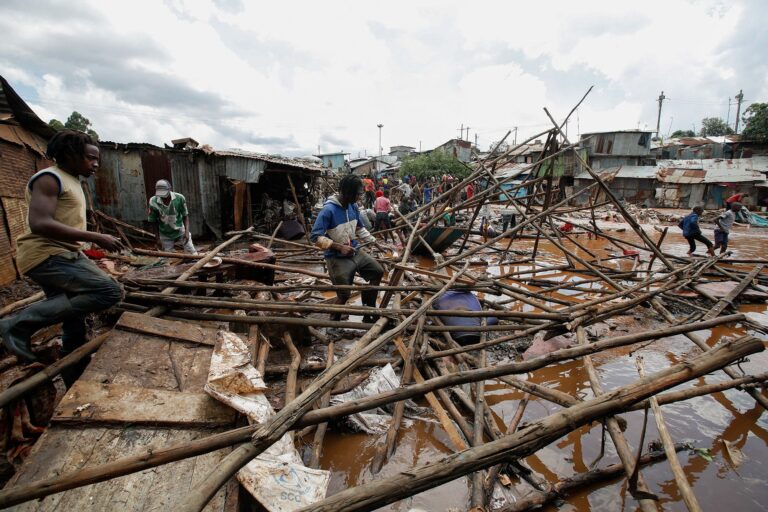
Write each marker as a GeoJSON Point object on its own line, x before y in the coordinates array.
{"type": "Point", "coordinates": [168, 212]}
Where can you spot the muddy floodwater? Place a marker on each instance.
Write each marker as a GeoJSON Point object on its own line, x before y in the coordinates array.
{"type": "Point", "coordinates": [708, 422]}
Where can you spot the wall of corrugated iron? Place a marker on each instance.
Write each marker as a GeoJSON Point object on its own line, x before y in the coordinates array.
{"type": "Point", "coordinates": [184, 170]}
{"type": "Point", "coordinates": [118, 188]}
{"type": "Point", "coordinates": [208, 175]}
{"type": "Point", "coordinates": [243, 169]}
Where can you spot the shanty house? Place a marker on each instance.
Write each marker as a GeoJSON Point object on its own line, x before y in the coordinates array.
{"type": "Point", "coordinates": [461, 149]}
{"type": "Point", "coordinates": [23, 140]}
{"type": "Point", "coordinates": [128, 173]}
{"type": "Point", "coordinates": [224, 189]}
{"type": "Point", "coordinates": [612, 149]}
{"type": "Point", "coordinates": [401, 151]}
{"type": "Point", "coordinates": [335, 161]}
{"type": "Point", "coordinates": [633, 183]}
{"type": "Point", "coordinates": [708, 182]}
{"type": "Point", "coordinates": [255, 187]}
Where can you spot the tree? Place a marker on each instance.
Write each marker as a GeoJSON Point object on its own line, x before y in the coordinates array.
{"type": "Point", "coordinates": [434, 163]}
{"type": "Point", "coordinates": [56, 124]}
{"type": "Point", "coordinates": [682, 133]}
{"type": "Point", "coordinates": [714, 126]}
{"type": "Point", "coordinates": [755, 122]}
{"type": "Point", "coordinates": [75, 121]}
{"type": "Point", "coordinates": [503, 147]}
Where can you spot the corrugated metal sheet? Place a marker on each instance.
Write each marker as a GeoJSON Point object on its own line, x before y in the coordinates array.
{"type": "Point", "coordinates": [239, 168]}
{"type": "Point", "coordinates": [717, 170]}
{"type": "Point", "coordinates": [184, 170]}
{"type": "Point", "coordinates": [7, 265]}
{"type": "Point", "coordinates": [16, 215]}
{"type": "Point", "coordinates": [309, 164]}
{"type": "Point", "coordinates": [118, 188]}
{"type": "Point", "coordinates": [156, 167]}
{"type": "Point", "coordinates": [625, 143]}
{"type": "Point", "coordinates": [647, 172]}
{"type": "Point", "coordinates": [211, 196]}
{"type": "Point", "coordinates": [681, 175]}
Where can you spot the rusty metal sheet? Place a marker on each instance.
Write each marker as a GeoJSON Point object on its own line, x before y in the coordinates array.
{"type": "Point", "coordinates": [156, 166]}
{"type": "Point", "coordinates": [184, 169]}
{"type": "Point", "coordinates": [16, 217]}
{"type": "Point", "coordinates": [8, 134]}
{"type": "Point", "coordinates": [7, 264]}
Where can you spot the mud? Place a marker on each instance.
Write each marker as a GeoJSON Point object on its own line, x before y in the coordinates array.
{"type": "Point", "coordinates": [706, 422]}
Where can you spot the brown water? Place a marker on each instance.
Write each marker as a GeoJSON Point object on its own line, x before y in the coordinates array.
{"type": "Point", "coordinates": [705, 421]}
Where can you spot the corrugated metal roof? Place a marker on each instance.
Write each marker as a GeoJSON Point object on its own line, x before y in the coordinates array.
{"type": "Point", "coordinates": [639, 172]}
{"type": "Point", "coordinates": [511, 169]}
{"type": "Point", "coordinates": [714, 170]}
{"type": "Point", "coordinates": [308, 164]}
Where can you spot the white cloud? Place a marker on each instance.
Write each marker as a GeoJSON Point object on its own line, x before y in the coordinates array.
{"type": "Point", "coordinates": [287, 76]}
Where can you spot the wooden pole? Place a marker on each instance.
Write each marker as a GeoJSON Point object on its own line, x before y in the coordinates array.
{"type": "Point", "coordinates": [623, 449]}
{"type": "Point", "coordinates": [269, 432]}
{"type": "Point", "coordinates": [10, 308]}
{"type": "Point", "coordinates": [156, 457]}
{"type": "Point", "coordinates": [478, 496]}
{"type": "Point", "coordinates": [669, 448]}
{"type": "Point", "coordinates": [582, 480]}
{"type": "Point", "coordinates": [530, 439]}
{"type": "Point", "coordinates": [397, 415]}
{"type": "Point", "coordinates": [317, 444]}
{"type": "Point", "coordinates": [234, 261]}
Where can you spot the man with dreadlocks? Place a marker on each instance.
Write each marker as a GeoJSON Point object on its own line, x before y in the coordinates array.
{"type": "Point", "coordinates": [337, 230]}
{"type": "Point", "coordinates": [49, 252]}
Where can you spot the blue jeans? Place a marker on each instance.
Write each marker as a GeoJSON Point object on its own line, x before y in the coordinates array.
{"type": "Point", "coordinates": [88, 288]}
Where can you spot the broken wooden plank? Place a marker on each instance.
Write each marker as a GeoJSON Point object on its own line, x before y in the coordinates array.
{"type": "Point", "coordinates": [89, 401]}
{"type": "Point", "coordinates": [181, 331]}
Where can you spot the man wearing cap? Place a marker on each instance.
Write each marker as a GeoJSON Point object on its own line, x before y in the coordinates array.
{"type": "Point", "coordinates": [168, 210]}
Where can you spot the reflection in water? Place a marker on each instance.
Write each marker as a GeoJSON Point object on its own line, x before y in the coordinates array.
{"type": "Point", "coordinates": [705, 422]}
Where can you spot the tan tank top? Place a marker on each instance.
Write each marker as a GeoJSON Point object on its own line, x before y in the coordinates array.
{"type": "Point", "coordinates": [32, 249]}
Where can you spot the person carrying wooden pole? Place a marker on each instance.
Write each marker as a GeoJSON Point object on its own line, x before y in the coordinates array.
{"type": "Point", "coordinates": [337, 230]}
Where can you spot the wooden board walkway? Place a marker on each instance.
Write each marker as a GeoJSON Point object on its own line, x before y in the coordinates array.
{"type": "Point", "coordinates": [143, 388]}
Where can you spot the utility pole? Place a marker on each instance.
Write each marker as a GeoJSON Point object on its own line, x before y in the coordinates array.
{"type": "Point", "coordinates": [461, 131]}
{"type": "Point", "coordinates": [739, 98]}
{"type": "Point", "coordinates": [658, 119]}
{"type": "Point", "coordinates": [475, 139]}
{"type": "Point", "coordinates": [467, 133]}
{"type": "Point", "coordinates": [379, 162]}
{"type": "Point", "coordinates": [515, 142]}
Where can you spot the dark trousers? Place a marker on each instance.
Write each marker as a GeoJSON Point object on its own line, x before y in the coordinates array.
{"type": "Point", "coordinates": [701, 238]}
{"type": "Point", "coordinates": [343, 270]}
{"type": "Point", "coordinates": [370, 197]}
{"type": "Point", "coordinates": [88, 288]}
{"type": "Point", "coordinates": [507, 221]}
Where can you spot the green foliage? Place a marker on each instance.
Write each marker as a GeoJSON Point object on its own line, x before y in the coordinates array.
{"type": "Point", "coordinates": [755, 122]}
{"type": "Point", "coordinates": [56, 124]}
{"type": "Point", "coordinates": [714, 126]}
{"type": "Point", "coordinates": [434, 163]}
{"type": "Point", "coordinates": [75, 121]}
{"type": "Point", "coordinates": [682, 133]}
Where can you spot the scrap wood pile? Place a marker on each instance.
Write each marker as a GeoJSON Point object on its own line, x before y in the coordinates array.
{"type": "Point", "coordinates": [427, 343]}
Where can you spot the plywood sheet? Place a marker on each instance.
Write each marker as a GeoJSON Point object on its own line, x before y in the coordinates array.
{"type": "Point", "coordinates": [63, 449]}
{"type": "Point", "coordinates": [89, 401]}
{"type": "Point", "coordinates": [183, 331]}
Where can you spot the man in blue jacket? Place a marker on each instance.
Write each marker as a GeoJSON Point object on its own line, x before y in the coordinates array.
{"type": "Point", "coordinates": [337, 230]}
{"type": "Point", "coordinates": [692, 232]}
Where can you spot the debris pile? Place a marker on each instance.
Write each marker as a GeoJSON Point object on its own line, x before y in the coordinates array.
{"type": "Point", "coordinates": [524, 316]}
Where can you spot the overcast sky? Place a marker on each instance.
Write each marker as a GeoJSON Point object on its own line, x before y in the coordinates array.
{"type": "Point", "coordinates": [287, 77]}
